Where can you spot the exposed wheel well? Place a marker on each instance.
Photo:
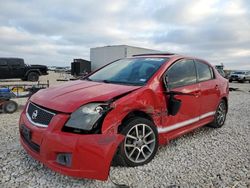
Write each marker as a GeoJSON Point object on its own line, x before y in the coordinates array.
{"type": "Point", "coordinates": [225, 99]}
{"type": "Point", "coordinates": [133, 114]}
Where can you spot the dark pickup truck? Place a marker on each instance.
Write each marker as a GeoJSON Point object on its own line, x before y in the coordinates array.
{"type": "Point", "coordinates": [16, 68]}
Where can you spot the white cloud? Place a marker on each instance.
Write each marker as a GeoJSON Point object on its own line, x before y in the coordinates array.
{"type": "Point", "coordinates": [55, 32]}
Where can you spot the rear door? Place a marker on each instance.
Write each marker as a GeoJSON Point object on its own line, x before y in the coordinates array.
{"type": "Point", "coordinates": [17, 68]}
{"type": "Point", "coordinates": [4, 69]}
{"type": "Point", "coordinates": [210, 94]}
{"type": "Point", "coordinates": [182, 78]}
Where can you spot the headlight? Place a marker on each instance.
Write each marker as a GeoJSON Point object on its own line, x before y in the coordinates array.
{"type": "Point", "coordinates": [86, 117]}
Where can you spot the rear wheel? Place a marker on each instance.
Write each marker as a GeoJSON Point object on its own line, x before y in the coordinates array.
{"type": "Point", "coordinates": [33, 77]}
{"type": "Point", "coordinates": [139, 145]}
{"type": "Point", "coordinates": [10, 107]}
{"type": "Point", "coordinates": [220, 115]}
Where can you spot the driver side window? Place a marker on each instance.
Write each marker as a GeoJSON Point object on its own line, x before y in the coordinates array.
{"type": "Point", "coordinates": [181, 73]}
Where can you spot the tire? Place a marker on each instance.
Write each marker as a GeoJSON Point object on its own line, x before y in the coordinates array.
{"type": "Point", "coordinates": [220, 115]}
{"type": "Point", "coordinates": [33, 76]}
{"type": "Point", "coordinates": [10, 107]}
{"type": "Point", "coordinates": [242, 81]}
{"type": "Point", "coordinates": [139, 145]}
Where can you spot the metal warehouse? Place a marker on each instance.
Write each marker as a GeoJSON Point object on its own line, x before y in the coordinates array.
{"type": "Point", "coordinates": [102, 55]}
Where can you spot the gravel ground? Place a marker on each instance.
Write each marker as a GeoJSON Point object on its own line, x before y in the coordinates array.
{"type": "Point", "coordinates": [204, 158]}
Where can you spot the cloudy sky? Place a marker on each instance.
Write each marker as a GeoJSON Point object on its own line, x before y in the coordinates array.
{"type": "Point", "coordinates": [55, 32]}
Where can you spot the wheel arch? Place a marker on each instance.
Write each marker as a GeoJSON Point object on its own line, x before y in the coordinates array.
{"type": "Point", "coordinates": [33, 70]}
{"type": "Point", "coordinates": [131, 115]}
{"type": "Point", "coordinates": [226, 101]}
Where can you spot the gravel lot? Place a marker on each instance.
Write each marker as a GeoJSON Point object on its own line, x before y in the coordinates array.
{"type": "Point", "coordinates": [204, 158]}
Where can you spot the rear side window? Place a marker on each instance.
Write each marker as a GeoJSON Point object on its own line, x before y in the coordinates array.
{"type": "Point", "coordinates": [204, 71]}
{"type": "Point", "coordinates": [182, 73]}
{"type": "Point", "coordinates": [14, 63]}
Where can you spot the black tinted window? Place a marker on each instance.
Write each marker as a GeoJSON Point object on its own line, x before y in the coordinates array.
{"type": "Point", "coordinates": [181, 73]}
{"type": "Point", "coordinates": [135, 71]}
{"type": "Point", "coordinates": [204, 71]}
{"type": "Point", "coordinates": [14, 62]}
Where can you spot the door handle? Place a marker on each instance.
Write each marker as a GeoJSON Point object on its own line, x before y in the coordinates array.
{"type": "Point", "coordinates": [216, 87]}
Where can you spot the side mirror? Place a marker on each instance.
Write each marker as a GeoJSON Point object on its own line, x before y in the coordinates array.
{"type": "Point", "coordinates": [174, 105]}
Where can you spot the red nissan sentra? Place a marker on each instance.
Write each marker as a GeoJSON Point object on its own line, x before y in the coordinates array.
{"type": "Point", "coordinates": [121, 113]}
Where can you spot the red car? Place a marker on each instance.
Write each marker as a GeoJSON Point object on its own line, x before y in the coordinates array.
{"type": "Point", "coordinates": [121, 113]}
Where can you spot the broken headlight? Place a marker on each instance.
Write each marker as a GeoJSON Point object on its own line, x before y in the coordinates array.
{"type": "Point", "coordinates": [86, 117]}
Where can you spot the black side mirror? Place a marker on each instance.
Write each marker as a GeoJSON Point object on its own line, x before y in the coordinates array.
{"type": "Point", "coordinates": [174, 105]}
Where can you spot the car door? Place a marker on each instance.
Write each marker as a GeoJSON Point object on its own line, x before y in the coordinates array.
{"type": "Point", "coordinates": [17, 68]}
{"type": "Point", "coordinates": [209, 86]}
{"type": "Point", "coordinates": [181, 77]}
{"type": "Point", "coordinates": [4, 69]}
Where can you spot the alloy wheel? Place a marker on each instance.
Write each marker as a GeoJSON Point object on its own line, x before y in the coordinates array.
{"type": "Point", "coordinates": [140, 143]}
{"type": "Point", "coordinates": [221, 113]}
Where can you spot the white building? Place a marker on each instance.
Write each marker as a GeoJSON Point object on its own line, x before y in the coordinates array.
{"type": "Point", "coordinates": [102, 55]}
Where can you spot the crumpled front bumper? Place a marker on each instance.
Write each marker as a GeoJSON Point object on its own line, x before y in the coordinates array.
{"type": "Point", "coordinates": [91, 155]}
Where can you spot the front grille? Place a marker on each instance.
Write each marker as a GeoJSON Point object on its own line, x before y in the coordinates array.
{"type": "Point", "coordinates": [39, 116]}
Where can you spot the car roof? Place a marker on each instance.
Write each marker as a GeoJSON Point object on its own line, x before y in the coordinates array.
{"type": "Point", "coordinates": [10, 58]}
{"type": "Point", "coordinates": [158, 55]}
{"type": "Point", "coordinates": [166, 54]}
{"type": "Point", "coordinates": [155, 54]}
{"type": "Point", "coordinates": [169, 55]}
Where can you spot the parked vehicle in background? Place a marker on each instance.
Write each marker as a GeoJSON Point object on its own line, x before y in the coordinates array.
{"type": "Point", "coordinates": [121, 113]}
{"type": "Point", "coordinates": [6, 104]}
{"type": "Point", "coordinates": [12, 91]}
{"type": "Point", "coordinates": [80, 67]}
{"type": "Point", "coordinates": [240, 76]}
{"type": "Point", "coordinates": [16, 68]}
{"type": "Point", "coordinates": [51, 68]}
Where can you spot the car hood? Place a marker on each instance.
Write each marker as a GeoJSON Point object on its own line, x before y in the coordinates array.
{"type": "Point", "coordinates": [70, 96]}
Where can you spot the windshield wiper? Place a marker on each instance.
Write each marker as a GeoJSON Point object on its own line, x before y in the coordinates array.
{"type": "Point", "coordinates": [107, 81]}
{"type": "Point", "coordinates": [86, 78]}
{"type": "Point", "coordinates": [120, 82]}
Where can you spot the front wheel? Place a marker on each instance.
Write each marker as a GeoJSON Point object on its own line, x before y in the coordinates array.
{"type": "Point", "coordinates": [139, 145]}
{"type": "Point", "coordinates": [220, 115]}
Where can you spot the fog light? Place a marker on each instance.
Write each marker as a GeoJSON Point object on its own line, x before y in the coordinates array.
{"type": "Point", "coordinates": [64, 159]}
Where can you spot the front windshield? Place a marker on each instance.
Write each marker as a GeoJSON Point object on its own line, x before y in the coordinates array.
{"type": "Point", "coordinates": [239, 73]}
{"type": "Point", "coordinates": [136, 71]}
